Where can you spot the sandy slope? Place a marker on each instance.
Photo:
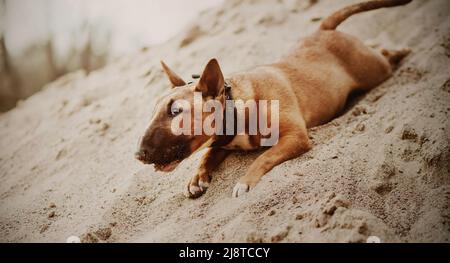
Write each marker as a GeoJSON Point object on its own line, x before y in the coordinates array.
{"type": "Point", "coordinates": [382, 168]}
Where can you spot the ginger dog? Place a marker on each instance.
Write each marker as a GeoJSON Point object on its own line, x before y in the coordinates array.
{"type": "Point", "coordinates": [311, 83]}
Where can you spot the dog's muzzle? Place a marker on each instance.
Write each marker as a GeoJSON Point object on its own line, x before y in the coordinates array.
{"type": "Point", "coordinates": [160, 156]}
{"type": "Point", "coordinates": [142, 153]}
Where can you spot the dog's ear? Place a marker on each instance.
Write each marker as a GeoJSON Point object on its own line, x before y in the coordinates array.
{"type": "Point", "coordinates": [212, 81]}
{"type": "Point", "coordinates": [176, 80]}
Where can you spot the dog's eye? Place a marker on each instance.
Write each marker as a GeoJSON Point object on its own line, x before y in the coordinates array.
{"type": "Point", "coordinates": [175, 111]}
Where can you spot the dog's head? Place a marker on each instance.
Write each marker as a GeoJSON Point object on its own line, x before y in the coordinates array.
{"type": "Point", "coordinates": [159, 145]}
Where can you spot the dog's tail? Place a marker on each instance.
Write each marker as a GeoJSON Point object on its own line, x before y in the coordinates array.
{"type": "Point", "coordinates": [333, 21]}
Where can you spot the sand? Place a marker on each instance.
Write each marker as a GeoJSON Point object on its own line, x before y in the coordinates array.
{"type": "Point", "coordinates": [382, 168]}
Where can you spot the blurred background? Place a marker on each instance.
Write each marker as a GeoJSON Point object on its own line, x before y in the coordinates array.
{"type": "Point", "coordinates": [41, 40]}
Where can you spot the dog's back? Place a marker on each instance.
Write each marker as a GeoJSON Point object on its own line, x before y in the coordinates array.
{"type": "Point", "coordinates": [325, 67]}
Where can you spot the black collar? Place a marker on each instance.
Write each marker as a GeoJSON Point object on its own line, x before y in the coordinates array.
{"type": "Point", "coordinates": [227, 91]}
{"type": "Point", "coordinates": [222, 140]}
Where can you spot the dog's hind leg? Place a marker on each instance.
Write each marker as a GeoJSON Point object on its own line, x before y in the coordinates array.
{"type": "Point", "coordinates": [200, 181]}
{"type": "Point", "coordinates": [289, 146]}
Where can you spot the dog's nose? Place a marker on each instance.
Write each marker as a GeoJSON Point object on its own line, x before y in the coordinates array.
{"type": "Point", "coordinates": [145, 152]}
{"type": "Point", "coordinates": [141, 153]}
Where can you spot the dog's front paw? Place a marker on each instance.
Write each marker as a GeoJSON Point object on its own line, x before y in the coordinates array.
{"type": "Point", "coordinates": [197, 186]}
{"type": "Point", "coordinates": [240, 189]}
